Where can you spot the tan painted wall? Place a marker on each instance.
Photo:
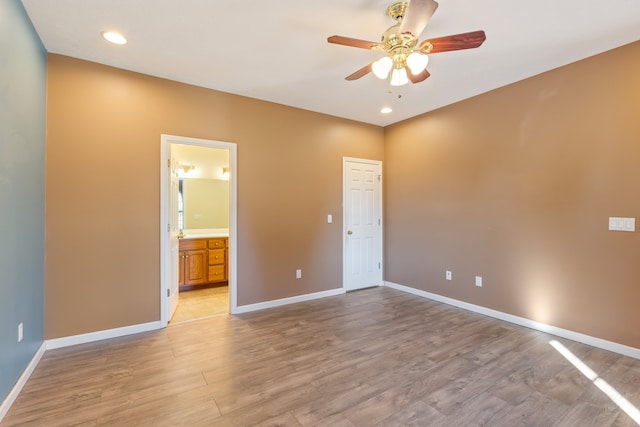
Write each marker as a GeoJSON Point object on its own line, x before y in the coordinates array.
{"type": "Point", "coordinates": [103, 192]}
{"type": "Point", "coordinates": [516, 186]}
{"type": "Point", "coordinates": [206, 203]}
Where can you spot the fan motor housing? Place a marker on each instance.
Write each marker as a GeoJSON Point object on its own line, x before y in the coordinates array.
{"type": "Point", "coordinates": [393, 43]}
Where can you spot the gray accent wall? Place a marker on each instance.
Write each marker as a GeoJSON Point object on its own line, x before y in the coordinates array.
{"type": "Point", "coordinates": [23, 76]}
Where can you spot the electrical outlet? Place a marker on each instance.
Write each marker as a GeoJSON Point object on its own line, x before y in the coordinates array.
{"type": "Point", "coordinates": [479, 281]}
{"type": "Point", "coordinates": [20, 332]}
{"type": "Point", "coordinates": [448, 275]}
{"type": "Point", "coordinates": [298, 274]}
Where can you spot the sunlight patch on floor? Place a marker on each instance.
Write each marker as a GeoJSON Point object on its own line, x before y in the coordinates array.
{"type": "Point", "coordinates": [604, 386]}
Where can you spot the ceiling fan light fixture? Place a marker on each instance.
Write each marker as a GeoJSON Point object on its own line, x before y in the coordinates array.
{"type": "Point", "coordinates": [406, 57]}
{"type": "Point", "coordinates": [382, 67]}
{"type": "Point", "coordinates": [399, 77]}
{"type": "Point", "coordinates": [417, 62]}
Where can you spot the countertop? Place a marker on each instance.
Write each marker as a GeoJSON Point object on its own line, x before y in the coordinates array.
{"type": "Point", "coordinates": [205, 233]}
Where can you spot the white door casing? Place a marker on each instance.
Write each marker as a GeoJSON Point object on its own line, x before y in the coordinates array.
{"type": "Point", "coordinates": [166, 258]}
{"type": "Point", "coordinates": [172, 262]}
{"type": "Point", "coordinates": [362, 234]}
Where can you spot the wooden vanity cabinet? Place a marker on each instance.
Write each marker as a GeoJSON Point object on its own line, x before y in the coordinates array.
{"type": "Point", "coordinates": [193, 262]}
{"type": "Point", "coordinates": [217, 259]}
{"type": "Point", "coordinates": [202, 261]}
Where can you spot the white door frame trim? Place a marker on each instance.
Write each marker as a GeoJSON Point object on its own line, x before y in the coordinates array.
{"type": "Point", "coordinates": [165, 140]}
{"type": "Point", "coordinates": [344, 216]}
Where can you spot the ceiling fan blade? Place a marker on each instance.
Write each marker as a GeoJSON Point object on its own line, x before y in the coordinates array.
{"type": "Point", "coordinates": [348, 41]}
{"type": "Point", "coordinates": [418, 14]}
{"type": "Point", "coordinates": [455, 42]}
{"type": "Point", "coordinates": [360, 73]}
{"type": "Point", "coordinates": [417, 78]}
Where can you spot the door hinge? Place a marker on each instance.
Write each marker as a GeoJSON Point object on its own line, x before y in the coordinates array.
{"type": "Point", "coordinates": [168, 163]}
{"type": "Point", "coordinates": [379, 222]}
{"type": "Point", "coordinates": [168, 292]}
{"type": "Point", "coordinates": [379, 266]}
{"type": "Point", "coordinates": [379, 178]}
{"type": "Point", "coordinates": [168, 227]}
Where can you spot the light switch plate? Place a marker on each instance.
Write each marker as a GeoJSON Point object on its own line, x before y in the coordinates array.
{"type": "Point", "coordinates": [622, 224]}
{"type": "Point", "coordinates": [479, 281]}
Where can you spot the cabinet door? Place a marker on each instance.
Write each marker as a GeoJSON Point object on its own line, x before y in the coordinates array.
{"type": "Point", "coordinates": [181, 259]}
{"type": "Point", "coordinates": [196, 267]}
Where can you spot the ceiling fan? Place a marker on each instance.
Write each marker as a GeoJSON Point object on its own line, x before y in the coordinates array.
{"type": "Point", "coordinates": [407, 59]}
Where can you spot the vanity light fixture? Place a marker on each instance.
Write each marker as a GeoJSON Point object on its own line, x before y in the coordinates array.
{"type": "Point", "coordinates": [186, 168]}
{"type": "Point", "coordinates": [113, 37]}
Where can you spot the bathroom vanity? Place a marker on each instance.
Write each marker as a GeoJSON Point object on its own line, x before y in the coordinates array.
{"type": "Point", "coordinates": [203, 260]}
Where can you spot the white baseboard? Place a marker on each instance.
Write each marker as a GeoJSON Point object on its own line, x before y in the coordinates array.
{"type": "Point", "coordinates": [528, 323]}
{"type": "Point", "coordinates": [285, 301]}
{"type": "Point", "coordinates": [101, 335]}
{"type": "Point", "coordinates": [15, 391]}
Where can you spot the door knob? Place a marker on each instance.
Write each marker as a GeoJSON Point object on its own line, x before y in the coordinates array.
{"type": "Point", "coordinates": [349, 232]}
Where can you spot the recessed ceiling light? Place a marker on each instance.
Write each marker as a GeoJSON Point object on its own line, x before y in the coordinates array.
{"type": "Point", "coordinates": [113, 37]}
{"type": "Point", "coordinates": [386, 110]}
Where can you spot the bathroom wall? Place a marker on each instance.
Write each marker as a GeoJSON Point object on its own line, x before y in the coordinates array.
{"type": "Point", "coordinates": [206, 203]}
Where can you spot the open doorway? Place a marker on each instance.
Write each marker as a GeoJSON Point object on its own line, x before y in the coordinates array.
{"type": "Point", "coordinates": [198, 231]}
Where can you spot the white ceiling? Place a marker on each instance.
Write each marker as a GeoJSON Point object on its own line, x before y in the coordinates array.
{"type": "Point", "coordinates": [277, 50]}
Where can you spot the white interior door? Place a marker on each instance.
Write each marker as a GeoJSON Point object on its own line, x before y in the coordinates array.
{"type": "Point", "coordinates": [172, 265]}
{"type": "Point", "coordinates": [362, 204]}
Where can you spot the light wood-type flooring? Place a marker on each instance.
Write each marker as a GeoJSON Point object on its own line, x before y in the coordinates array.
{"type": "Point", "coordinates": [377, 357]}
{"type": "Point", "coordinates": [201, 303]}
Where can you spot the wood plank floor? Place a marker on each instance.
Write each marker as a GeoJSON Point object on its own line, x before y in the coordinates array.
{"type": "Point", "coordinates": [377, 357]}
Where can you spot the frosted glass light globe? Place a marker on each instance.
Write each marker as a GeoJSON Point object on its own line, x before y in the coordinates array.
{"type": "Point", "coordinates": [417, 62]}
{"type": "Point", "coordinates": [382, 67]}
{"type": "Point", "coordinates": [399, 77]}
